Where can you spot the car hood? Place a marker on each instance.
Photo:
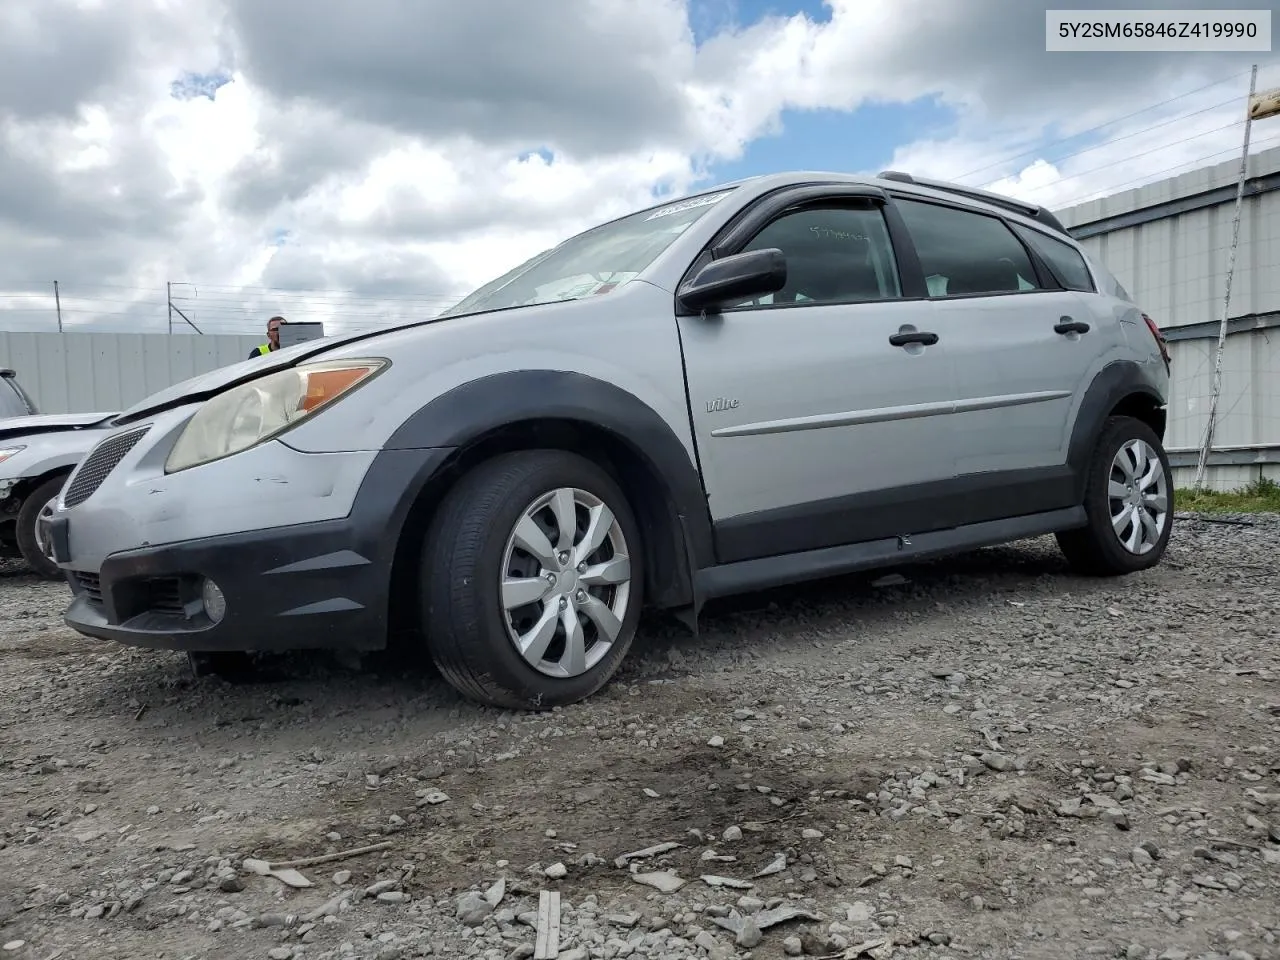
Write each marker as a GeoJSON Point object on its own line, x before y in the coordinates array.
{"type": "Point", "coordinates": [51, 423]}
{"type": "Point", "coordinates": [210, 384]}
{"type": "Point", "coordinates": [215, 381]}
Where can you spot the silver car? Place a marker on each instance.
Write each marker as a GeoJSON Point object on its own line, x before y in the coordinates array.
{"type": "Point", "coordinates": [779, 379]}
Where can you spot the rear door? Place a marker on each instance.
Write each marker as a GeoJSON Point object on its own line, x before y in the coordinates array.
{"type": "Point", "coordinates": [813, 428]}
{"type": "Point", "coordinates": [1023, 349]}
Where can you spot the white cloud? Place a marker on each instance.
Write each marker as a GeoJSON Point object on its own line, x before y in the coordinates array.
{"type": "Point", "coordinates": [394, 157]}
{"type": "Point", "coordinates": [1200, 130]}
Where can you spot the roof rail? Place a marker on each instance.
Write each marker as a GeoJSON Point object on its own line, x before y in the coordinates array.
{"type": "Point", "coordinates": [1040, 214]}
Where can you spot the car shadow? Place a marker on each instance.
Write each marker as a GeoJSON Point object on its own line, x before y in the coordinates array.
{"type": "Point", "coordinates": [404, 671]}
{"type": "Point", "coordinates": [15, 570]}
{"type": "Point", "coordinates": [330, 690]}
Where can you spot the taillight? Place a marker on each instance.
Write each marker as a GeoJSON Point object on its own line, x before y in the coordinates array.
{"type": "Point", "coordinates": [1160, 340]}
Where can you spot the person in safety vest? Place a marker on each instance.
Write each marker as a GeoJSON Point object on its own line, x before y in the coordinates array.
{"type": "Point", "coordinates": [273, 338]}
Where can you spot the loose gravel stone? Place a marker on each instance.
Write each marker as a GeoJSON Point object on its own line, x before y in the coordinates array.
{"type": "Point", "coordinates": [749, 936]}
{"type": "Point", "coordinates": [992, 752]}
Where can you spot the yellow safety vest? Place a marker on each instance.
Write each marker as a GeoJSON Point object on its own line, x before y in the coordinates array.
{"type": "Point", "coordinates": [264, 349]}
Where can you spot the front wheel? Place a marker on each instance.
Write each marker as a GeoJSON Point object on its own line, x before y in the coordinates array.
{"type": "Point", "coordinates": [32, 543]}
{"type": "Point", "coordinates": [1128, 500]}
{"type": "Point", "coordinates": [531, 580]}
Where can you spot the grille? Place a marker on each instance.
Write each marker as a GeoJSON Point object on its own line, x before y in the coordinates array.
{"type": "Point", "coordinates": [91, 585]}
{"type": "Point", "coordinates": [164, 595]}
{"type": "Point", "coordinates": [104, 458]}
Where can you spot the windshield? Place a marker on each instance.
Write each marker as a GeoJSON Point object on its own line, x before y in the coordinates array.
{"type": "Point", "coordinates": [592, 263]}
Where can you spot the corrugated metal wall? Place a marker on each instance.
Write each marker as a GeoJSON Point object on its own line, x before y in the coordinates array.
{"type": "Point", "coordinates": [1247, 410]}
{"type": "Point", "coordinates": [85, 372]}
{"type": "Point", "coordinates": [1175, 268]}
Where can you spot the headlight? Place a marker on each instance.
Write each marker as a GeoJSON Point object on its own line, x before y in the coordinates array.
{"type": "Point", "coordinates": [257, 411]}
{"type": "Point", "coordinates": [7, 452]}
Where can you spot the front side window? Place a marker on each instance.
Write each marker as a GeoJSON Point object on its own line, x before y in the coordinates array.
{"type": "Point", "coordinates": [966, 253]}
{"type": "Point", "coordinates": [1064, 259]}
{"type": "Point", "coordinates": [592, 263]}
{"type": "Point", "coordinates": [835, 254]}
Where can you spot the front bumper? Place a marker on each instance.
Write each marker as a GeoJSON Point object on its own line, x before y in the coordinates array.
{"type": "Point", "coordinates": [286, 588]}
{"type": "Point", "coordinates": [323, 584]}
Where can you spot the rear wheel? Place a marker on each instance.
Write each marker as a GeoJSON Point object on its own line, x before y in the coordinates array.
{"type": "Point", "coordinates": [1129, 502]}
{"type": "Point", "coordinates": [32, 543]}
{"type": "Point", "coordinates": [531, 580]}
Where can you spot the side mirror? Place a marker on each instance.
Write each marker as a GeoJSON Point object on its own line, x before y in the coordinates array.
{"type": "Point", "coordinates": [742, 276]}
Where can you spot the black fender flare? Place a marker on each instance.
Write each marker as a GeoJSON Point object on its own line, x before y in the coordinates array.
{"type": "Point", "coordinates": [479, 407]}
{"type": "Point", "coordinates": [1111, 386]}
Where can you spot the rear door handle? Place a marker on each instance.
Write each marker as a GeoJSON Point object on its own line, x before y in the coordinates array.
{"type": "Point", "coordinates": [914, 336]}
{"type": "Point", "coordinates": [1067, 325]}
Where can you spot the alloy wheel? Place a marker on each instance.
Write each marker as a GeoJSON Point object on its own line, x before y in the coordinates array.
{"type": "Point", "coordinates": [566, 582]}
{"type": "Point", "coordinates": [43, 543]}
{"type": "Point", "coordinates": [1138, 495]}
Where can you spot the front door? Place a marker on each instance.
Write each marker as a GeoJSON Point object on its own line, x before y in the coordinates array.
{"type": "Point", "coordinates": [813, 430]}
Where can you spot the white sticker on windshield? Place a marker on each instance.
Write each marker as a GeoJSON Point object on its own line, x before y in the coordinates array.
{"type": "Point", "coordinates": [690, 204]}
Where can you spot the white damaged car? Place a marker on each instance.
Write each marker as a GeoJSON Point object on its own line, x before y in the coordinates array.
{"type": "Point", "coordinates": [37, 454]}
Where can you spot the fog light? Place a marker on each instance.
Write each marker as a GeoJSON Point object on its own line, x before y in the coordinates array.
{"type": "Point", "coordinates": [215, 604]}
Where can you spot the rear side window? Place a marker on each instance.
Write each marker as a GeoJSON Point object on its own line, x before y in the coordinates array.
{"type": "Point", "coordinates": [966, 253]}
{"type": "Point", "coordinates": [1063, 259]}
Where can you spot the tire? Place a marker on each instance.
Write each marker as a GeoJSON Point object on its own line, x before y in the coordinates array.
{"type": "Point", "coordinates": [28, 541]}
{"type": "Point", "coordinates": [472, 547]}
{"type": "Point", "coordinates": [1099, 548]}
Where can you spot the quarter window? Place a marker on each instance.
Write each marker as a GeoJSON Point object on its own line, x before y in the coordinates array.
{"type": "Point", "coordinates": [966, 253]}
{"type": "Point", "coordinates": [835, 254]}
{"type": "Point", "coordinates": [1064, 259]}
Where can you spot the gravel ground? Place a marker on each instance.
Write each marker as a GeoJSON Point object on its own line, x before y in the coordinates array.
{"type": "Point", "coordinates": [980, 757]}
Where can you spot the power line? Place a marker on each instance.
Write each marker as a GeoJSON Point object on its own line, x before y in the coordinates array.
{"type": "Point", "coordinates": [227, 309]}
{"type": "Point", "coordinates": [1155, 126]}
{"type": "Point", "coordinates": [265, 292]}
{"type": "Point", "coordinates": [1144, 153]}
{"type": "Point", "coordinates": [1128, 116]}
{"type": "Point", "coordinates": [214, 321]}
{"type": "Point", "coordinates": [18, 298]}
{"type": "Point", "coordinates": [1146, 179]}
{"type": "Point", "coordinates": [302, 299]}
{"type": "Point", "coordinates": [223, 308]}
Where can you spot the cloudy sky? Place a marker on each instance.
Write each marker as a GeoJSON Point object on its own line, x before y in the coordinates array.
{"type": "Point", "coordinates": [356, 161]}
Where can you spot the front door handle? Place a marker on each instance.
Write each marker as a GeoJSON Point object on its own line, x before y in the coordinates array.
{"type": "Point", "coordinates": [1067, 325]}
{"type": "Point", "coordinates": [914, 336]}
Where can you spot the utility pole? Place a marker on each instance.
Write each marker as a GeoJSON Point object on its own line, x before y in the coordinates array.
{"type": "Point", "coordinates": [57, 302]}
{"type": "Point", "coordinates": [1203, 463]}
{"type": "Point", "coordinates": [173, 308]}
